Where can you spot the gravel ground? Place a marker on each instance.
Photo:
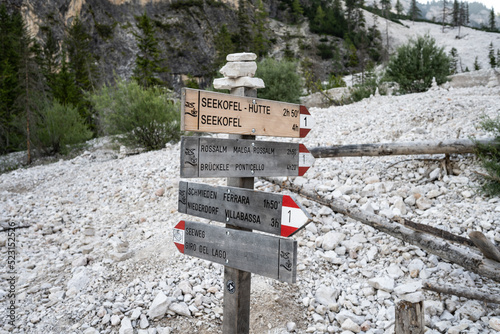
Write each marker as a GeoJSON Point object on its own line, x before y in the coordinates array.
{"type": "Point", "coordinates": [97, 255]}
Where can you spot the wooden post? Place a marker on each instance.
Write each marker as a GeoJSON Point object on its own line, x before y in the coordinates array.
{"type": "Point", "coordinates": [409, 318]}
{"type": "Point", "coordinates": [237, 283]}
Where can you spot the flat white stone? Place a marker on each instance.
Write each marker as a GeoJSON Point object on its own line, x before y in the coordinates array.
{"type": "Point", "coordinates": [495, 323]}
{"type": "Point", "coordinates": [384, 283]}
{"type": "Point", "coordinates": [414, 297]}
{"type": "Point", "coordinates": [239, 69]}
{"type": "Point", "coordinates": [181, 309]}
{"type": "Point", "coordinates": [408, 287]}
{"type": "Point", "coordinates": [350, 325]}
{"type": "Point", "coordinates": [228, 83]}
{"type": "Point", "coordinates": [472, 310]}
{"type": "Point", "coordinates": [242, 56]}
{"type": "Point", "coordinates": [332, 239]}
{"type": "Point", "coordinates": [326, 295]}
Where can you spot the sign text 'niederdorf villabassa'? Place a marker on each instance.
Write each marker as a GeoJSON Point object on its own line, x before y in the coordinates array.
{"type": "Point", "coordinates": [257, 210]}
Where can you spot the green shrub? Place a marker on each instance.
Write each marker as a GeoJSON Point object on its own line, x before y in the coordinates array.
{"type": "Point", "coordinates": [282, 80]}
{"type": "Point", "coordinates": [58, 126]}
{"type": "Point", "coordinates": [335, 81]}
{"type": "Point", "coordinates": [143, 117]}
{"type": "Point", "coordinates": [489, 156]}
{"type": "Point", "coordinates": [416, 63]}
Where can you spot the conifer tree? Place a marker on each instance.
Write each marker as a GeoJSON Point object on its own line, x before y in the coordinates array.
{"type": "Point", "coordinates": [149, 65]}
{"type": "Point", "coordinates": [456, 13]}
{"type": "Point", "coordinates": [399, 8]}
{"type": "Point", "coordinates": [386, 7]}
{"type": "Point", "coordinates": [492, 24]}
{"type": "Point", "coordinates": [81, 58]}
{"type": "Point", "coordinates": [9, 87]}
{"type": "Point", "coordinates": [223, 46]}
{"type": "Point", "coordinates": [318, 19]}
{"type": "Point", "coordinates": [243, 38]}
{"type": "Point", "coordinates": [491, 55]}
{"type": "Point", "coordinates": [260, 43]}
{"type": "Point", "coordinates": [64, 88]}
{"type": "Point", "coordinates": [454, 61]}
{"type": "Point", "coordinates": [297, 11]}
{"type": "Point", "coordinates": [444, 14]}
{"type": "Point", "coordinates": [467, 15]}
{"type": "Point", "coordinates": [477, 67]}
{"type": "Point", "coordinates": [82, 64]}
{"type": "Point", "coordinates": [386, 10]}
{"type": "Point", "coordinates": [49, 63]}
{"type": "Point", "coordinates": [414, 12]}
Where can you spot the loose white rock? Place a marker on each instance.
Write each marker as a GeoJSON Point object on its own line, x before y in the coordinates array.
{"type": "Point", "coordinates": [180, 308]}
{"type": "Point", "coordinates": [126, 326]}
{"type": "Point", "coordinates": [384, 283]}
{"type": "Point", "coordinates": [159, 306]}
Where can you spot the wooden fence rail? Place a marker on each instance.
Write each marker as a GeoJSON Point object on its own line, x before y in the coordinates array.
{"type": "Point", "coordinates": [465, 257]}
{"type": "Point", "coordinates": [459, 146]}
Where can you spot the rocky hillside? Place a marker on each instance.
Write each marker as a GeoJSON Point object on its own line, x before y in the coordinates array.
{"type": "Point", "coordinates": [186, 29]}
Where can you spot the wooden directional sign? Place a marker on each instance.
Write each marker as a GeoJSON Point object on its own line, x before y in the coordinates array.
{"type": "Point", "coordinates": [204, 111]}
{"type": "Point", "coordinates": [257, 210]}
{"type": "Point", "coordinates": [217, 157]}
{"type": "Point", "coordinates": [257, 253]}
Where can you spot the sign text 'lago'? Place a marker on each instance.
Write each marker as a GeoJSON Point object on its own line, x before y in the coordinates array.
{"type": "Point", "coordinates": [257, 253]}
{"type": "Point", "coordinates": [217, 157]}
{"type": "Point", "coordinates": [204, 111]}
{"type": "Point", "coordinates": [257, 210]}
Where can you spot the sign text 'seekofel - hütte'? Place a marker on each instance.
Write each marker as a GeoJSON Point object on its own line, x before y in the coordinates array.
{"type": "Point", "coordinates": [204, 111]}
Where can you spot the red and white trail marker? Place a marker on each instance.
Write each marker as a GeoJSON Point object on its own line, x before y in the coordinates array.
{"type": "Point", "coordinates": [306, 159]}
{"type": "Point", "coordinates": [257, 210]}
{"type": "Point", "coordinates": [293, 217]}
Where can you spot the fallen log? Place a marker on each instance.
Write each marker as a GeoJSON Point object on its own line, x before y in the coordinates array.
{"type": "Point", "coordinates": [466, 258]}
{"type": "Point", "coordinates": [462, 292]}
{"type": "Point", "coordinates": [488, 249]}
{"type": "Point", "coordinates": [459, 146]}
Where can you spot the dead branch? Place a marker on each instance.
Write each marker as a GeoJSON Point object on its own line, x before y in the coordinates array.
{"type": "Point", "coordinates": [462, 292]}
{"type": "Point", "coordinates": [466, 258]}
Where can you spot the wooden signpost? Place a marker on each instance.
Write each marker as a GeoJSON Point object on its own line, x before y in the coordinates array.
{"type": "Point", "coordinates": [261, 254]}
{"type": "Point", "coordinates": [203, 111]}
{"type": "Point", "coordinates": [240, 158]}
{"type": "Point", "coordinates": [267, 212]}
{"type": "Point", "coordinates": [216, 157]}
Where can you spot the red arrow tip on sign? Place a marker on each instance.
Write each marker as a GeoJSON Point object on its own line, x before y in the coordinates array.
{"type": "Point", "coordinates": [306, 121]}
{"type": "Point", "coordinates": [306, 159]}
{"type": "Point", "coordinates": [178, 235]}
{"type": "Point", "coordinates": [293, 216]}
